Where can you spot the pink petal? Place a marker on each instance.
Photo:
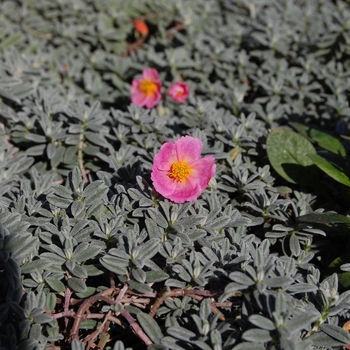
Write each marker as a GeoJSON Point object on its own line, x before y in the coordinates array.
{"type": "Point", "coordinates": [188, 148]}
{"type": "Point", "coordinates": [135, 86]}
{"type": "Point", "coordinates": [152, 100]}
{"type": "Point", "coordinates": [139, 99]}
{"type": "Point", "coordinates": [179, 91]}
{"type": "Point", "coordinates": [204, 170]}
{"type": "Point", "coordinates": [178, 192]}
{"type": "Point", "coordinates": [185, 191]}
{"type": "Point", "coordinates": [150, 73]}
{"type": "Point", "coordinates": [165, 157]}
{"type": "Point", "coordinates": [162, 183]}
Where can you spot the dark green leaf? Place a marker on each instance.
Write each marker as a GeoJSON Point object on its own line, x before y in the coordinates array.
{"type": "Point", "coordinates": [287, 152]}
{"type": "Point", "coordinates": [331, 170]}
{"type": "Point", "coordinates": [324, 219]}
{"type": "Point", "coordinates": [321, 138]}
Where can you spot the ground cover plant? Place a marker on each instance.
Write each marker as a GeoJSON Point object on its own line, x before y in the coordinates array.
{"type": "Point", "coordinates": [174, 174]}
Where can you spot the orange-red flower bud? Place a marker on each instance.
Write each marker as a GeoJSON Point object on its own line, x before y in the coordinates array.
{"type": "Point", "coordinates": [141, 27]}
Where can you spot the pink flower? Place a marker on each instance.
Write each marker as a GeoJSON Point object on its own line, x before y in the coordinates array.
{"type": "Point", "coordinates": [179, 173]}
{"type": "Point", "coordinates": [179, 91]}
{"type": "Point", "coordinates": [146, 90]}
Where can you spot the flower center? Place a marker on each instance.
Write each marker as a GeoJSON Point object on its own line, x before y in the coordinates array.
{"type": "Point", "coordinates": [179, 171]}
{"type": "Point", "coordinates": [148, 86]}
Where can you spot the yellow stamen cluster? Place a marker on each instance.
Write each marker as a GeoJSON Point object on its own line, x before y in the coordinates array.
{"type": "Point", "coordinates": [148, 86]}
{"type": "Point", "coordinates": [180, 171]}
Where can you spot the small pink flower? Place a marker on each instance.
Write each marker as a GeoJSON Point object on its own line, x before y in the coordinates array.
{"type": "Point", "coordinates": [179, 173]}
{"type": "Point", "coordinates": [146, 90]}
{"type": "Point", "coordinates": [179, 91]}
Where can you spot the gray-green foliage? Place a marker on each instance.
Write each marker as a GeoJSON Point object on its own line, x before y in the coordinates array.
{"type": "Point", "coordinates": [78, 213]}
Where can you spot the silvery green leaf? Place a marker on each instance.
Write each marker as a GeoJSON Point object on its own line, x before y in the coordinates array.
{"type": "Point", "coordinates": [304, 320]}
{"type": "Point", "coordinates": [202, 345]}
{"type": "Point", "coordinates": [322, 339]}
{"type": "Point", "coordinates": [119, 345]}
{"type": "Point", "coordinates": [241, 278]}
{"type": "Point", "coordinates": [157, 347]}
{"type": "Point", "coordinates": [205, 309]}
{"type": "Point", "coordinates": [172, 343]}
{"type": "Point", "coordinates": [262, 322]}
{"type": "Point", "coordinates": [92, 270]}
{"type": "Point", "coordinates": [60, 202]}
{"type": "Point", "coordinates": [197, 234]}
{"type": "Point", "coordinates": [336, 332]}
{"type": "Point", "coordinates": [80, 226]}
{"type": "Point", "coordinates": [150, 327]}
{"type": "Point", "coordinates": [120, 254]}
{"type": "Point", "coordinates": [182, 273]}
{"type": "Point", "coordinates": [139, 287]}
{"type": "Point", "coordinates": [181, 333]}
{"type": "Point", "coordinates": [76, 284]}
{"type": "Point", "coordinates": [96, 139]}
{"type": "Point", "coordinates": [191, 221]}
{"type": "Point", "coordinates": [77, 208]}
{"type": "Point", "coordinates": [85, 251]}
{"type": "Point", "coordinates": [87, 293]}
{"type": "Point", "coordinates": [21, 245]}
{"type": "Point", "coordinates": [77, 345]}
{"type": "Point", "coordinates": [35, 331]}
{"type": "Point", "coordinates": [210, 254]}
{"type": "Point", "coordinates": [219, 223]}
{"type": "Point", "coordinates": [257, 335]}
{"type": "Point", "coordinates": [62, 191]}
{"type": "Point", "coordinates": [156, 276]}
{"type": "Point", "coordinates": [139, 275]}
{"type": "Point", "coordinates": [75, 179]}
{"type": "Point", "coordinates": [302, 288]}
{"type": "Point", "coordinates": [148, 249]}
{"type": "Point", "coordinates": [171, 282]}
{"type": "Point", "coordinates": [96, 189]}
{"type": "Point", "coordinates": [232, 288]}
{"type": "Point", "coordinates": [55, 284]}
{"type": "Point", "coordinates": [79, 271]}
{"type": "Point", "coordinates": [52, 259]}
{"type": "Point", "coordinates": [278, 282]}
{"type": "Point", "coordinates": [294, 245]}
{"type": "Point", "coordinates": [158, 218]}
{"type": "Point", "coordinates": [32, 266]}
{"type": "Point", "coordinates": [36, 138]}
{"type": "Point", "coordinates": [114, 264]}
{"type": "Point", "coordinates": [39, 316]}
{"type": "Point", "coordinates": [51, 301]}
{"type": "Point", "coordinates": [154, 231]}
{"type": "Point", "coordinates": [248, 346]}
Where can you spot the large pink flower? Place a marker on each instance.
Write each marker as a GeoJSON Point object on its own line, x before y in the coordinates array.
{"type": "Point", "coordinates": [179, 173]}
{"type": "Point", "coordinates": [146, 90]}
{"type": "Point", "coordinates": [179, 91]}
